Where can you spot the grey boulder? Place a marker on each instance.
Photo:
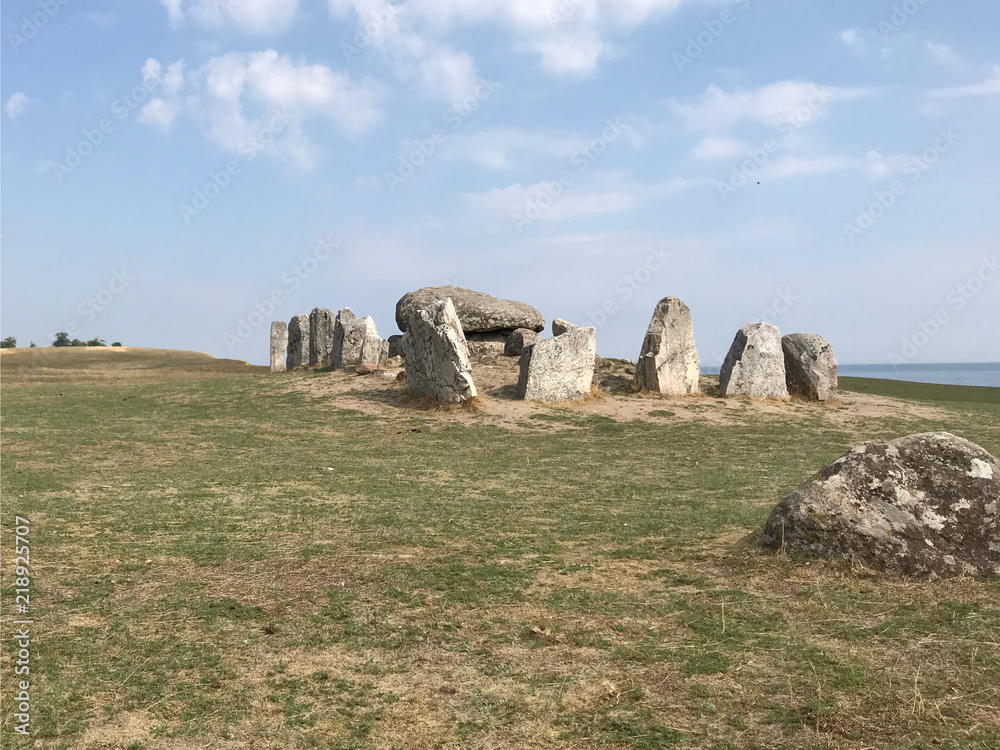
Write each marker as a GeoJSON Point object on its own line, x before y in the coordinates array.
{"type": "Point", "coordinates": [558, 369]}
{"type": "Point", "coordinates": [477, 312]}
{"type": "Point", "coordinates": [668, 362]}
{"type": "Point", "coordinates": [298, 341]}
{"type": "Point", "coordinates": [436, 356]}
{"type": "Point", "coordinates": [755, 364]}
{"type": "Point", "coordinates": [320, 336]}
{"type": "Point", "coordinates": [349, 334]}
{"type": "Point", "coordinates": [810, 366]}
{"type": "Point", "coordinates": [374, 350]}
{"type": "Point", "coordinates": [395, 350]}
{"type": "Point", "coordinates": [560, 326]}
{"type": "Point", "coordinates": [926, 505]}
{"type": "Point", "coordinates": [518, 340]}
{"type": "Point", "coordinates": [279, 345]}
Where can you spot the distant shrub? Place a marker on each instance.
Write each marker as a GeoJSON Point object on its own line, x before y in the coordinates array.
{"type": "Point", "coordinates": [62, 339]}
{"type": "Point", "coordinates": [32, 345]}
{"type": "Point", "coordinates": [117, 343]}
{"type": "Point", "coordinates": [97, 342]}
{"type": "Point", "coordinates": [8, 343]}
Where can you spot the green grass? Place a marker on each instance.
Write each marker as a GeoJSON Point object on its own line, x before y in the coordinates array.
{"type": "Point", "coordinates": [576, 583]}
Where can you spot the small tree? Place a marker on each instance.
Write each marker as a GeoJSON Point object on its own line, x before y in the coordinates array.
{"type": "Point", "coordinates": [77, 342]}
{"type": "Point", "coordinates": [32, 345]}
{"type": "Point", "coordinates": [8, 343]}
{"type": "Point", "coordinates": [62, 339]}
{"type": "Point", "coordinates": [97, 342]}
{"type": "Point", "coordinates": [117, 343]}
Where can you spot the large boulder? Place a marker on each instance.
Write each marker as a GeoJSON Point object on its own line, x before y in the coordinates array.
{"type": "Point", "coordinates": [926, 505]}
{"type": "Point", "coordinates": [560, 368]}
{"type": "Point", "coordinates": [477, 312]}
{"type": "Point", "coordinates": [810, 366]}
{"type": "Point", "coordinates": [755, 365]}
{"type": "Point", "coordinates": [298, 341]}
{"type": "Point", "coordinates": [436, 356]}
{"type": "Point", "coordinates": [518, 340]}
{"type": "Point", "coordinates": [279, 345]}
{"type": "Point", "coordinates": [320, 336]}
{"type": "Point", "coordinates": [668, 362]}
{"type": "Point", "coordinates": [349, 334]}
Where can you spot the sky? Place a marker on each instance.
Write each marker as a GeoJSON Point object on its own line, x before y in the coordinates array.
{"type": "Point", "coordinates": [178, 173]}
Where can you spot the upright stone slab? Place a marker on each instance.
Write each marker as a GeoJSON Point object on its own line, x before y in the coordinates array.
{"type": "Point", "coordinates": [279, 345]}
{"type": "Point", "coordinates": [373, 351]}
{"type": "Point", "coordinates": [355, 336]}
{"type": "Point", "coordinates": [298, 341]}
{"type": "Point", "coordinates": [810, 366]}
{"type": "Point", "coordinates": [320, 336]}
{"type": "Point", "coordinates": [560, 368]}
{"type": "Point", "coordinates": [668, 362]}
{"type": "Point", "coordinates": [518, 340]}
{"type": "Point", "coordinates": [436, 356]}
{"type": "Point", "coordinates": [755, 365]}
{"type": "Point", "coordinates": [344, 320]}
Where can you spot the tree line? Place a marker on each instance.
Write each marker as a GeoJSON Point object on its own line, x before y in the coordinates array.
{"type": "Point", "coordinates": [62, 339]}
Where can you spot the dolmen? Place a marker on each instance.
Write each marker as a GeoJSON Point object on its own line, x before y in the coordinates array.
{"type": "Point", "coordinates": [487, 321]}
{"type": "Point", "coordinates": [810, 366]}
{"type": "Point", "coordinates": [298, 342]}
{"type": "Point", "coordinates": [668, 362]}
{"type": "Point", "coordinates": [926, 505]}
{"type": "Point", "coordinates": [755, 364]}
{"type": "Point", "coordinates": [560, 368]}
{"type": "Point", "coordinates": [279, 345]}
{"type": "Point", "coordinates": [436, 355]}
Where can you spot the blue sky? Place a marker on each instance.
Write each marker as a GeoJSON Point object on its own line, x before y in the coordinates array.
{"type": "Point", "coordinates": [828, 167]}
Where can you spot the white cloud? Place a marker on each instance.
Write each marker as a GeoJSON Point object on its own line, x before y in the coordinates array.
{"type": "Point", "coordinates": [280, 92]}
{"type": "Point", "coordinates": [574, 54]}
{"type": "Point", "coordinates": [102, 19]}
{"type": "Point", "coordinates": [853, 38]}
{"type": "Point", "coordinates": [175, 13]}
{"type": "Point", "coordinates": [717, 109]}
{"type": "Point", "coordinates": [944, 55]}
{"type": "Point", "coordinates": [248, 16]}
{"type": "Point", "coordinates": [449, 74]}
{"type": "Point", "coordinates": [795, 166]}
{"type": "Point", "coordinates": [500, 149]}
{"type": "Point", "coordinates": [16, 105]}
{"type": "Point", "coordinates": [719, 148]}
{"type": "Point", "coordinates": [988, 87]}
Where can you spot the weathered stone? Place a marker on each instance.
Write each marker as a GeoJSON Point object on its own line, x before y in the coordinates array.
{"type": "Point", "coordinates": [279, 345]}
{"type": "Point", "coordinates": [668, 362]}
{"type": "Point", "coordinates": [488, 359]}
{"type": "Point", "coordinates": [810, 366]}
{"type": "Point", "coordinates": [755, 365]}
{"type": "Point", "coordinates": [395, 350]}
{"type": "Point", "coordinates": [477, 312]}
{"type": "Point", "coordinates": [365, 369]}
{"type": "Point", "coordinates": [925, 505]}
{"type": "Point", "coordinates": [349, 334]}
{"type": "Point", "coordinates": [394, 362]}
{"type": "Point", "coordinates": [344, 320]}
{"type": "Point", "coordinates": [522, 337]}
{"type": "Point", "coordinates": [560, 368]}
{"type": "Point", "coordinates": [436, 355]}
{"type": "Point", "coordinates": [298, 341]}
{"type": "Point", "coordinates": [560, 326]}
{"type": "Point", "coordinates": [320, 336]}
{"type": "Point", "coordinates": [374, 350]}
{"type": "Point", "coordinates": [481, 344]}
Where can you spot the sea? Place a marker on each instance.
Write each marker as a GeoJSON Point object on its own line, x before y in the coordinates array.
{"type": "Point", "coordinates": [964, 373]}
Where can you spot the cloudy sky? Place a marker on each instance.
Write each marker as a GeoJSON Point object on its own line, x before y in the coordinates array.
{"type": "Point", "coordinates": [177, 173]}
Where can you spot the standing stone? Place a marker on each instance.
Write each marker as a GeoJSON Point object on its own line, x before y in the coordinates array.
{"type": "Point", "coordinates": [925, 505]}
{"type": "Point", "coordinates": [279, 344]}
{"type": "Point", "coordinates": [518, 340]}
{"type": "Point", "coordinates": [436, 356]}
{"type": "Point", "coordinates": [349, 333]}
{"type": "Point", "coordinates": [298, 341]}
{"type": "Point", "coordinates": [320, 336]}
{"type": "Point", "coordinates": [810, 366]}
{"type": "Point", "coordinates": [669, 362]}
{"type": "Point", "coordinates": [395, 348]}
{"type": "Point", "coordinates": [560, 326]}
{"type": "Point", "coordinates": [373, 351]}
{"type": "Point", "coordinates": [560, 368]}
{"type": "Point", "coordinates": [755, 365]}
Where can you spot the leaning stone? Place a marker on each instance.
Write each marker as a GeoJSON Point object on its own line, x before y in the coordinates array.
{"type": "Point", "coordinates": [755, 365]}
{"type": "Point", "coordinates": [560, 326]}
{"type": "Point", "coordinates": [522, 337]}
{"type": "Point", "coordinates": [669, 362]}
{"type": "Point", "coordinates": [436, 355]}
{"type": "Point", "coordinates": [477, 312]}
{"type": "Point", "coordinates": [560, 368]}
{"type": "Point", "coordinates": [279, 345]}
{"type": "Point", "coordinates": [320, 336]}
{"type": "Point", "coordinates": [925, 505]}
{"type": "Point", "coordinates": [298, 341]}
{"type": "Point", "coordinates": [810, 366]}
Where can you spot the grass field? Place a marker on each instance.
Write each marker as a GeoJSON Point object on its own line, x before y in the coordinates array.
{"type": "Point", "coordinates": [231, 559]}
